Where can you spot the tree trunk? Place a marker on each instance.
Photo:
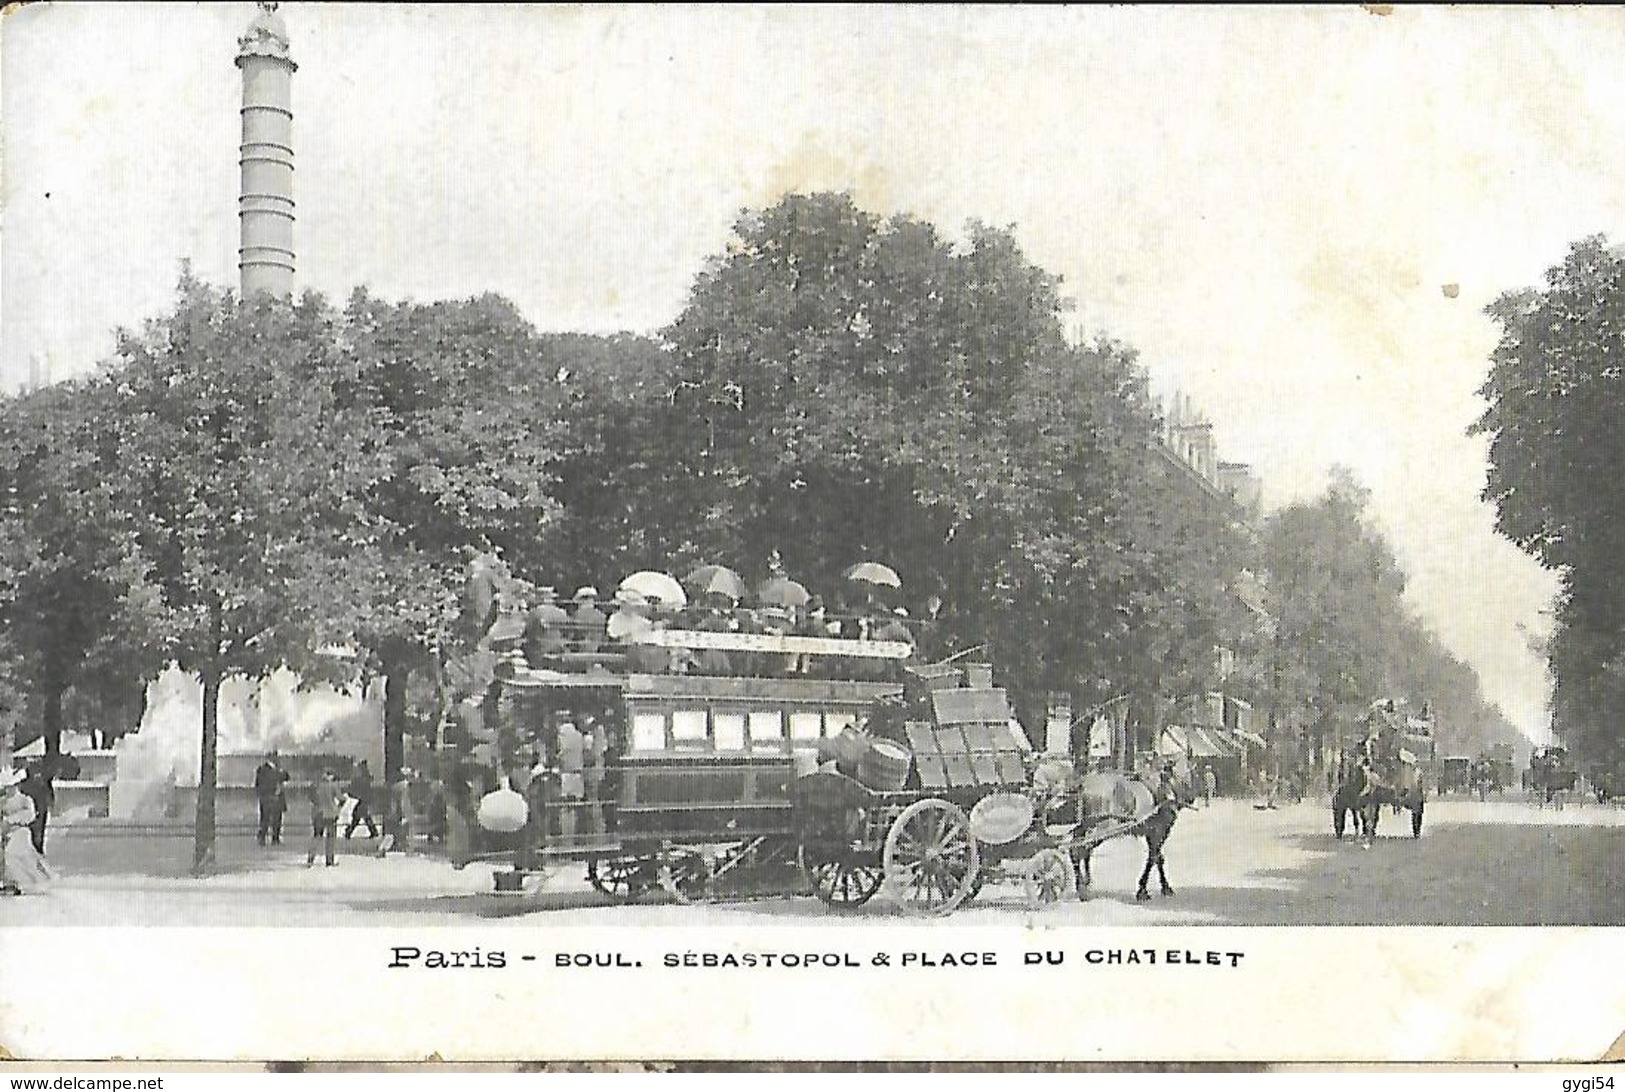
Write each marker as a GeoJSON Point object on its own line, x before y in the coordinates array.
{"type": "Point", "coordinates": [395, 677]}
{"type": "Point", "coordinates": [203, 832]}
{"type": "Point", "coordinates": [51, 722]}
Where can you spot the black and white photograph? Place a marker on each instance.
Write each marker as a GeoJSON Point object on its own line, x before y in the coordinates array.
{"type": "Point", "coordinates": [1142, 480]}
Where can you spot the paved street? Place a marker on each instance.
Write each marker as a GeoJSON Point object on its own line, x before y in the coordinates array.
{"type": "Point", "coordinates": [1499, 863]}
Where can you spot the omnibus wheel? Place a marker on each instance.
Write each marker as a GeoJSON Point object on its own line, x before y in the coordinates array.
{"type": "Point", "coordinates": [620, 879]}
{"type": "Point", "coordinates": [838, 883]}
{"type": "Point", "coordinates": [686, 875]}
{"type": "Point", "coordinates": [930, 855]}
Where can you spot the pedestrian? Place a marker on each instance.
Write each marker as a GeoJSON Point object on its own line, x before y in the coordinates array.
{"type": "Point", "coordinates": [270, 790]}
{"type": "Point", "coordinates": [22, 868]}
{"type": "Point", "coordinates": [326, 798]}
{"type": "Point", "coordinates": [360, 790]}
{"type": "Point", "coordinates": [1210, 784]}
{"type": "Point", "coordinates": [401, 803]}
{"type": "Point", "coordinates": [38, 786]}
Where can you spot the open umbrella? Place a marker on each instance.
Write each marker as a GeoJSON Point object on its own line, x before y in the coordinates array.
{"type": "Point", "coordinates": [715, 580]}
{"type": "Point", "coordinates": [781, 591]}
{"type": "Point", "coordinates": [656, 587]}
{"type": "Point", "coordinates": [872, 572]}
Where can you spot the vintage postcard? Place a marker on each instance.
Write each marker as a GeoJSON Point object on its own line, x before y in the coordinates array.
{"type": "Point", "coordinates": [857, 534]}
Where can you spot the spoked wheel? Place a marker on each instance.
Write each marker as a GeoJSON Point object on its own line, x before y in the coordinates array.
{"type": "Point", "coordinates": [1048, 878]}
{"type": "Point", "coordinates": [685, 875]}
{"type": "Point", "coordinates": [623, 879]}
{"type": "Point", "coordinates": [931, 856]}
{"type": "Point", "coordinates": [838, 883]}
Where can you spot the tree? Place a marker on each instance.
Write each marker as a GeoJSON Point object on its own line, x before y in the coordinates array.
{"type": "Point", "coordinates": [858, 388]}
{"type": "Point", "coordinates": [1336, 594]}
{"type": "Point", "coordinates": [75, 602]}
{"type": "Point", "coordinates": [1555, 393]}
{"type": "Point", "coordinates": [461, 402]}
{"type": "Point", "coordinates": [239, 456]}
{"type": "Point", "coordinates": [1343, 634]}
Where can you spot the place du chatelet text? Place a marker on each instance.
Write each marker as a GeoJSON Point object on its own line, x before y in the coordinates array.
{"type": "Point", "coordinates": [415, 958]}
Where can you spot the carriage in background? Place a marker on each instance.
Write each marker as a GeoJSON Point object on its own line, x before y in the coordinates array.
{"type": "Point", "coordinates": [1551, 772]}
{"type": "Point", "coordinates": [1390, 766]}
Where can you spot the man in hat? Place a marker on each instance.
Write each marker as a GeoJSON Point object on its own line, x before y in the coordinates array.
{"type": "Point", "coordinates": [884, 627]}
{"type": "Point", "coordinates": [588, 621]}
{"type": "Point", "coordinates": [629, 626]}
{"type": "Point", "coordinates": [270, 781]}
{"type": "Point", "coordinates": [360, 790]}
{"type": "Point", "coordinates": [325, 804]}
{"type": "Point", "coordinates": [544, 628]}
{"type": "Point", "coordinates": [38, 787]}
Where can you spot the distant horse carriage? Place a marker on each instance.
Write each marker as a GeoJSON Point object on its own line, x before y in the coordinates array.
{"type": "Point", "coordinates": [1386, 768]}
{"type": "Point", "coordinates": [1550, 775]}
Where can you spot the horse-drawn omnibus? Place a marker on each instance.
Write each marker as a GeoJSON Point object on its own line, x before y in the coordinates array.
{"type": "Point", "coordinates": [654, 780]}
{"type": "Point", "coordinates": [736, 786]}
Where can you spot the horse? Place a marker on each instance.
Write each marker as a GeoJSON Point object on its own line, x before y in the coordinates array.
{"type": "Point", "coordinates": [1113, 797]}
{"type": "Point", "coordinates": [1346, 803]}
{"type": "Point", "coordinates": [1363, 793]}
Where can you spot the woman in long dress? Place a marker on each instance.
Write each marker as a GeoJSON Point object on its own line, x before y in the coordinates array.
{"type": "Point", "coordinates": [25, 867]}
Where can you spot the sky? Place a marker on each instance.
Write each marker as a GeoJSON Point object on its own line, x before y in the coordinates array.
{"type": "Point", "coordinates": [1268, 204]}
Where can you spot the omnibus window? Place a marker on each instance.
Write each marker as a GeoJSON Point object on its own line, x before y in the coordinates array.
{"type": "Point", "coordinates": [688, 727]}
{"type": "Point", "coordinates": [766, 729]}
{"type": "Point", "coordinates": [728, 731]}
{"type": "Point", "coordinates": [649, 732]}
{"type": "Point", "coordinates": [836, 723]}
{"type": "Point", "coordinates": [805, 725]}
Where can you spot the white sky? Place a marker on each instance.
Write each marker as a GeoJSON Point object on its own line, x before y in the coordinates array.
{"type": "Point", "coordinates": [1266, 203]}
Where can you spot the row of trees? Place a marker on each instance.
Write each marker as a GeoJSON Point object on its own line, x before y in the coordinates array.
{"type": "Point", "coordinates": [1342, 634]}
{"type": "Point", "coordinates": [245, 483]}
{"type": "Point", "coordinates": [1556, 396]}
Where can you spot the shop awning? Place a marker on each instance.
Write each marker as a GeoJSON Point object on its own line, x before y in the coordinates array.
{"type": "Point", "coordinates": [1220, 743]}
{"type": "Point", "coordinates": [1251, 737]}
{"type": "Point", "coordinates": [1196, 742]}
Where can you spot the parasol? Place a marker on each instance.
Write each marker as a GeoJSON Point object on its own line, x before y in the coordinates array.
{"type": "Point", "coordinates": [656, 587]}
{"type": "Point", "coordinates": [781, 591]}
{"type": "Point", "coordinates": [715, 580]}
{"type": "Point", "coordinates": [872, 572]}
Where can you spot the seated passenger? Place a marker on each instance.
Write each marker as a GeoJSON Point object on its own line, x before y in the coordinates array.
{"type": "Point", "coordinates": [544, 628]}
{"type": "Point", "coordinates": [885, 628]}
{"type": "Point", "coordinates": [629, 627]}
{"type": "Point", "coordinates": [587, 623]}
{"type": "Point", "coordinates": [717, 616]}
{"type": "Point", "coordinates": [778, 622]}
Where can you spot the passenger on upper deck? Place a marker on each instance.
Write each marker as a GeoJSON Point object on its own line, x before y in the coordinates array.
{"type": "Point", "coordinates": [628, 627]}
{"type": "Point", "coordinates": [588, 621]}
{"type": "Point", "coordinates": [716, 614]}
{"type": "Point", "coordinates": [884, 627]}
{"type": "Point", "coordinates": [773, 621]}
{"type": "Point", "coordinates": [544, 628]}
